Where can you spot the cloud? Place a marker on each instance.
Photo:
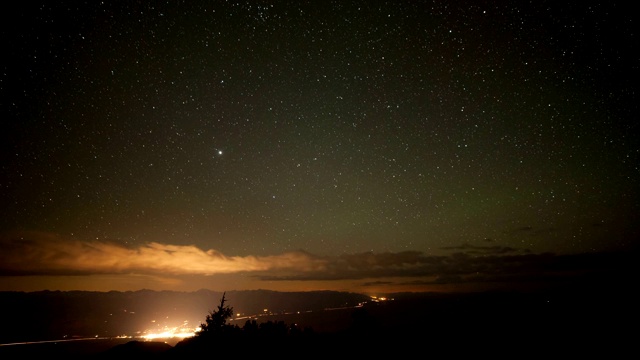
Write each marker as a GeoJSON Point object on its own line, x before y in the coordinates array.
{"type": "Point", "coordinates": [477, 265]}
{"type": "Point", "coordinates": [483, 250]}
{"type": "Point", "coordinates": [46, 254]}
{"type": "Point", "coordinates": [36, 253]}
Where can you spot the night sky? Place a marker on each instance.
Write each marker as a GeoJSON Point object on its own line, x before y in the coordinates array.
{"type": "Point", "coordinates": [301, 145]}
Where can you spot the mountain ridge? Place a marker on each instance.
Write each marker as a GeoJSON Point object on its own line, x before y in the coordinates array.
{"type": "Point", "coordinates": [52, 315]}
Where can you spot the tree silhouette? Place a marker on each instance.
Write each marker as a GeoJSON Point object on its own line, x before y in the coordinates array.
{"type": "Point", "coordinates": [217, 335]}
{"type": "Point", "coordinates": [216, 320]}
{"type": "Point", "coordinates": [251, 327]}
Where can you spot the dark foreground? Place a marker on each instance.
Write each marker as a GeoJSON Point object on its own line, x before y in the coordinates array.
{"type": "Point", "coordinates": [500, 325]}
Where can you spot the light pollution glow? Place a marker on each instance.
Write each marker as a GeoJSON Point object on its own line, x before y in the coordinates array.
{"type": "Point", "coordinates": [32, 261]}
{"type": "Point", "coordinates": [182, 332]}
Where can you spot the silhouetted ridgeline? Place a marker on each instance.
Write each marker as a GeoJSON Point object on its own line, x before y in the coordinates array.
{"type": "Point", "coordinates": [563, 322]}
{"type": "Point", "coordinates": [54, 315]}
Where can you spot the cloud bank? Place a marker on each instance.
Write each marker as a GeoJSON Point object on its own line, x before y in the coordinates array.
{"type": "Point", "coordinates": [46, 254]}
{"type": "Point", "coordinates": [36, 254]}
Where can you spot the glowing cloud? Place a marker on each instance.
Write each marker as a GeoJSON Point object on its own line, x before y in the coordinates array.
{"type": "Point", "coordinates": [43, 254]}
{"type": "Point", "coordinates": [40, 253]}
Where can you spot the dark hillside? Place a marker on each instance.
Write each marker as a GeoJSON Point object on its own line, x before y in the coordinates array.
{"type": "Point", "coordinates": [563, 322]}
{"type": "Point", "coordinates": [80, 314]}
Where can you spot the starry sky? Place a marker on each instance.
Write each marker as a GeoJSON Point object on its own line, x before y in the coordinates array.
{"type": "Point", "coordinates": [303, 145]}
